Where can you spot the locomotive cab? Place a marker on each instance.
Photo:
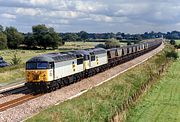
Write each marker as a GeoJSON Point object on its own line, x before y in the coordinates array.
{"type": "Point", "coordinates": [86, 58]}
{"type": "Point", "coordinates": [39, 71]}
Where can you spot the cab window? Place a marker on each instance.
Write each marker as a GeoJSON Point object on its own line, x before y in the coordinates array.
{"type": "Point", "coordinates": [86, 57]}
{"type": "Point", "coordinates": [42, 65]}
{"type": "Point", "coordinates": [39, 65]}
{"type": "Point", "coordinates": [93, 58]}
{"type": "Point", "coordinates": [51, 65]}
{"type": "Point", "coordinates": [31, 66]}
{"type": "Point", "coordinates": [79, 61]}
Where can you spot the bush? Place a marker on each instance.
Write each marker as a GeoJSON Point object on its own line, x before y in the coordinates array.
{"type": "Point", "coordinates": [172, 42]}
{"type": "Point", "coordinates": [15, 60]}
{"type": "Point", "coordinates": [100, 46]}
{"type": "Point", "coordinates": [112, 43]}
{"type": "Point", "coordinates": [172, 54]}
{"type": "Point", "coordinates": [177, 46]}
{"type": "Point", "coordinates": [129, 43]}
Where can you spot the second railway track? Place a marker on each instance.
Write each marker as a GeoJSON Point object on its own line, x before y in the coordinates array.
{"type": "Point", "coordinates": [17, 101]}
{"type": "Point", "coordinates": [13, 97]}
{"type": "Point", "coordinates": [22, 89]}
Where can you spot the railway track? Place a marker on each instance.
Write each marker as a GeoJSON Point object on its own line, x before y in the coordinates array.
{"type": "Point", "coordinates": [22, 90]}
{"type": "Point", "coordinates": [18, 101]}
{"type": "Point", "coordinates": [28, 95]}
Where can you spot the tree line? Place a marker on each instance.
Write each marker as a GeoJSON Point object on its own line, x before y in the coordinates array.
{"type": "Point", "coordinates": [41, 37]}
{"type": "Point", "coordinates": [46, 37]}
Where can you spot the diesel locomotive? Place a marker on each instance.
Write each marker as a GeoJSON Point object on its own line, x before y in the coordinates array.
{"type": "Point", "coordinates": [48, 72]}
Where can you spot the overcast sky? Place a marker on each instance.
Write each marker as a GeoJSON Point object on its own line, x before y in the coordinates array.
{"type": "Point", "coordinates": [129, 16]}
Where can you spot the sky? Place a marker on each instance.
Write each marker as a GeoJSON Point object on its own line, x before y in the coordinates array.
{"type": "Point", "coordinates": [128, 16]}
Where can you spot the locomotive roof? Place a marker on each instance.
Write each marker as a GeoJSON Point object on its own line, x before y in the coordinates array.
{"type": "Point", "coordinates": [53, 57]}
{"type": "Point", "coordinates": [64, 56]}
{"type": "Point", "coordinates": [84, 52]}
{"type": "Point", "coordinates": [41, 58]}
{"type": "Point", "coordinates": [96, 51]}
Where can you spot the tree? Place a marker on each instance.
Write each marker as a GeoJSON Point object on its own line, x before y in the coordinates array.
{"type": "Point", "coordinates": [57, 40]}
{"type": "Point", "coordinates": [38, 32]}
{"type": "Point", "coordinates": [3, 41]}
{"type": "Point", "coordinates": [70, 37]}
{"type": "Point", "coordinates": [14, 38]}
{"type": "Point", "coordinates": [172, 42]}
{"type": "Point", "coordinates": [1, 28]}
{"type": "Point", "coordinates": [40, 29]}
{"type": "Point", "coordinates": [112, 43]}
{"type": "Point", "coordinates": [29, 41]}
{"type": "Point", "coordinates": [46, 37]}
{"type": "Point", "coordinates": [83, 35]}
{"type": "Point", "coordinates": [47, 41]}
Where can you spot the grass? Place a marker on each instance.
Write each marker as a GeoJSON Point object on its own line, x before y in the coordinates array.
{"type": "Point", "coordinates": [177, 42]}
{"type": "Point", "coordinates": [162, 103]}
{"type": "Point", "coordinates": [101, 103]}
{"type": "Point", "coordinates": [79, 45]}
{"type": "Point", "coordinates": [12, 76]}
{"type": "Point", "coordinates": [23, 54]}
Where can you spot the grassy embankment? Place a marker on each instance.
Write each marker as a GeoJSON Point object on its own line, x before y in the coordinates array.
{"type": "Point", "coordinates": [162, 103]}
{"type": "Point", "coordinates": [177, 42]}
{"type": "Point", "coordinates": [101, 103]}
{"type": "Point", "coordinates": [16, 73]}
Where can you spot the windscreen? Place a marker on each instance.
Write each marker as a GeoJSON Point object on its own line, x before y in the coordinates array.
{"type": "Point", "coordinates": [31, 65]}
{"type": "Point", "coordinates": [39, 65]}
{"type": "Point", "coordinates": [42, 65]}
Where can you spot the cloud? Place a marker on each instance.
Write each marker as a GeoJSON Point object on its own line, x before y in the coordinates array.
{"type": "Point", "coordinates": [63, 14]}
{"type": "Point", "coordinates": [91, 15]}
{"type": "Point", "coordinates": [100, 18]}
{"type": "Point", "coordinates": [8, 16]}
{"type": "Point", "coordinates": [28, 11]}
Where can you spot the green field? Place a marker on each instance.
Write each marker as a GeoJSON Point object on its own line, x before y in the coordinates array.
{"type": "Point", "coordinates": [162, 103]}
{"type": "Point", "coordinates": [177, 42]}
{"type": "Point", "coordinates": [79, 45]}
{"type": "Point", "coordinates": [23, 54]}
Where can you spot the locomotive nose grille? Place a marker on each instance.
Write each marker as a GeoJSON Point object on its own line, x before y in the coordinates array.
{"type": "Point", "coordinates": [36, 77]}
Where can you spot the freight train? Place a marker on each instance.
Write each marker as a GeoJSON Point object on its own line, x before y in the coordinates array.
{"type": "Point", "coordinates": [48, 72]}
